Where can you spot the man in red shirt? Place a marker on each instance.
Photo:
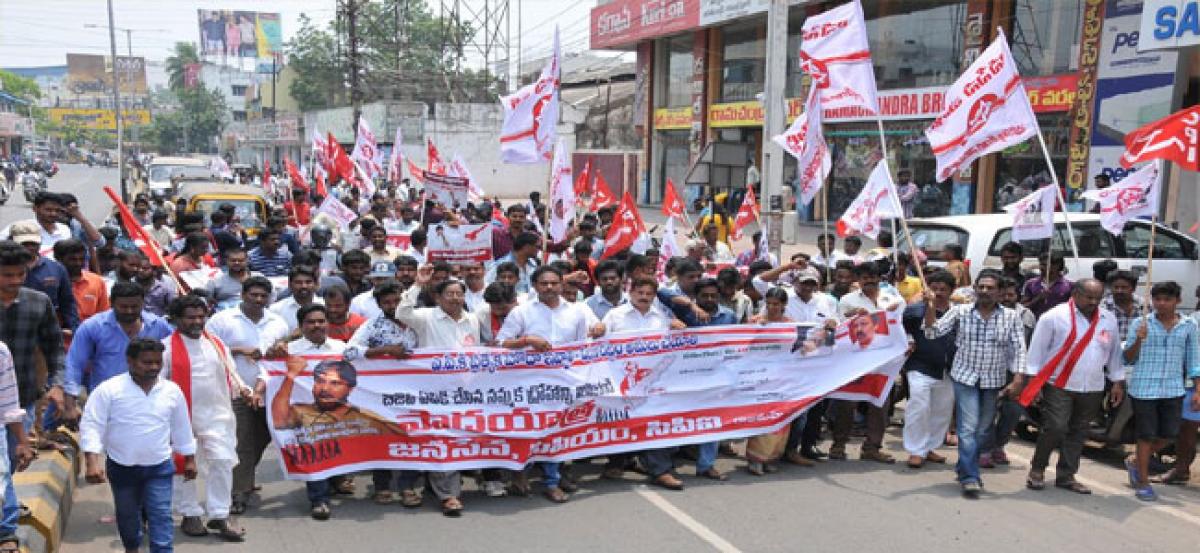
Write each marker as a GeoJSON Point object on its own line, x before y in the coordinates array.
{"type": "Point", "coordinates": [91, 294]}
{"type": "Point", "coordinates": [298, 210]}
{"type": "Point", "coordinates": [342, 323]}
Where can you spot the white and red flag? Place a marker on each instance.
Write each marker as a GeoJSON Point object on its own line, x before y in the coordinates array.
{"type": "Point", "coordinates": [415, 170]}
{"type": "Point", "coordinates": [1033, 215]}
{"type": "Point", "coordinates": [835, 53]}
{"type": "Point", "coordinates": [626, 227]}
{"type": "Point", "coordinates": [583, 182]}
{"type": "Point", "coordinates": [987, 110]}
{"type": "Point", "coordinates": [746, 214]}
{"type": "Point", "coordinates": [602, 195]}
{"type": "Point", "coordinates": [562, 194]}
{"type": "Point", "coordinates": [804, 142]}
{"type": "Point", "coordinates": [530, 115]}
{"type": "Point", "coordinates": [1135, 196]}
{"type": "Point", "coordinates": [433, 161]}
{"type": "Point", "coordinates": [396, 159]}
{"type": "Point", "coordinates": [366, 150]}
{"type": "Point", "coordinates": [669, 246]}
{"type": "Point", "coordinates": [1175, 137]}
{"type": "Point", "coordinates": [877, 201]}
{"type": "Point", "coordinates": [458, 168]}
{"type": "Point", "coordinates": [672, 206]}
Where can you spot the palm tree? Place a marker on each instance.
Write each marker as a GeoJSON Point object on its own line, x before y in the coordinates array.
{"type": "Point", "coordinates": [185, 55]}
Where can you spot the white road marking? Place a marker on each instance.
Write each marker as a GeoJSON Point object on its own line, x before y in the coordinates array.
{"type": "Point", "coordinates": [685, 520]}
{"type": "Point", "coordinates": [1126, 493]}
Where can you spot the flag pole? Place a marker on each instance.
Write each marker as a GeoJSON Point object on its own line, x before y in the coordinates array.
{"type": "Point", "coordinates": [1062, 200]}
{"type": "Point", "coordinates": [1150, 259]}
{"type": "Point", "coordinates": [912, 245]}
{"type": "Point", "coordinates": [825, 224]}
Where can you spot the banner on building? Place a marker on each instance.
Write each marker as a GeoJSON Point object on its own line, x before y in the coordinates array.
{"type": "Point", "coordinates": [447, 190]}
{"type": "Point", "coordinates": [479, 407]}
{"type": "Point", "coordinates": [99, 119]}
{"type": "Point", "coordinates": [1081, 111]}
{"type": "Point", "coordinates": [91, 75]}
{"type": "Point", "coordinates": [459, 244]}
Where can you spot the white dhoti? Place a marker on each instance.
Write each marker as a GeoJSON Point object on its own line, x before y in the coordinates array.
{"type": "Point", "coordinates": [927, 415]}
{"type": "Point", "coordinates": [215, 428]}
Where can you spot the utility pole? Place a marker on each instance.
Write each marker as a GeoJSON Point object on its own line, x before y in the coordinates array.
{"type": "Point", "coordinates": [112, 45]}
{"type": "Point", "coordinates": [774, 115]}
{"type": "Point", "coordinates": [352, 52]}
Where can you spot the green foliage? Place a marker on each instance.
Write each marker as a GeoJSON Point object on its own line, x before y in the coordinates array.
{"type": "Point", "coordinates": [200, 117]}
{"type": "Point", "coordinates": [414, 58]}
{"type": "Point", "coordinates": [185, 54]}
{"type": "Point", "coordinates": [19, 86]}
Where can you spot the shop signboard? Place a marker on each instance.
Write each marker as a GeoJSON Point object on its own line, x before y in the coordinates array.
{"type": "Point", "coordinates": [1133, 87]}
{"type": "Point", "coordinates": [98, 119]}
{"type": "Point", "coordinates": [673, 119]}
{"type": "Point", "coordinates": [1168, 24]}
{"type": "Point", "coordinates": [625, 22]}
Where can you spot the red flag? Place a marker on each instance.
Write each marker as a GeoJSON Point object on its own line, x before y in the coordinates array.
{"type": "Point", "coordinates": [294, 173]}
{"type": "Point", "coordinates": [583, 181]}
{"type": "Point", "coordinates": [267, 174]}
{"type": "Point", "coordinates": [747, 213]}
{"type": "Point", "coordinates": [136, 233]}
{"type": "Point", "coordinates": [414, 171]}
{"type": "Point", "coordinates": [321, 191]}
{"type": "Point", "coordinates": [1173, 138]}
{"type": "Point", "coordinates": [625, 229]}
{"type": "Point", "coordinates": [672, 206]}
{"type": "Point", "coordinates": [602, 195]}
{"type": "Point", "coordinates": [434, 161]}
{"type": "Point", "coordinates": [498, 217]}
{"type": "Point", "coordinates": [342, 167]}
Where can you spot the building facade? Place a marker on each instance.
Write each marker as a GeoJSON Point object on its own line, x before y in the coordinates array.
{"type": "Point", "coordinates": [701, 66]}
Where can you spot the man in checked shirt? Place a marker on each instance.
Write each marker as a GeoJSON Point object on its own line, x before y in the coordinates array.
{"type": "Point", "coordinates": [990, 341]}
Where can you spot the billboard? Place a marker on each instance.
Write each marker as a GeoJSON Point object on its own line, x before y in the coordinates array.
{"type": "Point", "coordinates": [99, 119]}
{"type": "Point", "coordinates": [239, 34]}
{"type": "Point", "coordinates": [91, 75]}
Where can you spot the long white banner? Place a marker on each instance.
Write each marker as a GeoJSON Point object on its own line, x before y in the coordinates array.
{"type": "Point", "coordinates": [483, 407]}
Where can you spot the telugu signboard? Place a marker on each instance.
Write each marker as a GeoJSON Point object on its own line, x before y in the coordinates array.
{"type": "Point", "coordinates": [625, 22]}
{"type": "Point", "coordinates": [98, 119]}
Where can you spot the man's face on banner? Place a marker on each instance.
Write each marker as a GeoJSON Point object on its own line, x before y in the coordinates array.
{"type": "Point", "coordinates": [330, 390]}
{"type": "Point", "coordinates": [862, 330]}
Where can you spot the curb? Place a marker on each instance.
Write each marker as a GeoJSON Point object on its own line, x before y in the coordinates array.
{"type": "Point", "coordinates": [47, 488]}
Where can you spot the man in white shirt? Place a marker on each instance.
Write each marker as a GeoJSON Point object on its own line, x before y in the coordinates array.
{"type": "Point", "coordinates": [205, 371]}
{"type": "Point", "coordinates": [1062, 333]}
{"type": "Point", "coordinates": [302, 283]}
{"type": "Point", "coordinates": [716, 250]}
{"type": "Point", "coordinates": [472, 275]}
{"type": "Point", "coordinates": [249, 330]}
{"type": "Point", "coordinates": [541, 324]}
{"type": "Point", "coordinates": [313, 341]}
{"type": "Point", "coordinates": [137, 420]}
{"type": "Point", "coordinates": [447, 326]}
{"type": "Point", "coordinates": [806, 304]}
{"type": "Point", "coordinates": [868, 299]}
{"type": "Point", "coordinates": [826, 256]}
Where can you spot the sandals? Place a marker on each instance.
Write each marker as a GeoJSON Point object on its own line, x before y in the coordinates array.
{"type": "Point", "coordinates": [452, 507]}
{"type": "Point", "coordinates": [384, 497]}
{"type": "Point", "coordinates": [713, 474]}
{"type": "Point", "coordinates": [755, 468]}
{"type": "Point", "coordinates": [556, 494]}
{"type": "Point", "coordinates": [1074, 486]}
{"type": "Point", "coordinates": [344, 487]}
{"type": "Point", "coordinates": [519, 486]}
{"type": "Point", "coordinates": [668, 481]}
{"type": "Point", "coordinates": [410, 499]}
{"type": "Point", "coordinates": [227, 531]}
{"type": "Point", "coordinates": [1035, 481]}
{"type": "Point", "coordinates": [236, 507]}
{"type": "Point", "coordinates": [1173, 478]}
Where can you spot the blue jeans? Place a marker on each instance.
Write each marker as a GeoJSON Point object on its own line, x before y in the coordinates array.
{"type": "Point", "coordinates": [10, 512]}
{"type": "Point", "coordinates": [552, 476]}
{"type": "Point", "coordinates": [974, 409]}
{"type": "Point", "coordinates": [1001, 430]}
{"type": "Point", "coordinates": [137, 490]}
{"type": "Point", "coordinates": [318, 491]}
{"type": "Point", "coordinates": [658, 461]}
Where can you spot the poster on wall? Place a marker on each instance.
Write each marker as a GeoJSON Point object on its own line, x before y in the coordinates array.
{"type": "Point", "coordinates": [1132, 88]}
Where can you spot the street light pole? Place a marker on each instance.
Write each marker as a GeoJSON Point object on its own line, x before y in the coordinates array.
{"type": "Point", "coordinates": [112, 44]}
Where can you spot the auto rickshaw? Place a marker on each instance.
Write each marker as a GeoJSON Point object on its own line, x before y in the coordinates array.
{"type": "Point", "coordinates": [249, 202]}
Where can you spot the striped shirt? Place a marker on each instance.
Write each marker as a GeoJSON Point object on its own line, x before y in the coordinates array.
{"type": "Point", "coordinates": [273, 265]}
{"type": "Point", "coordinates": [10, 403]}
{"type": "Point", "coordinates": [987, 348]}
{"type": "Point", "coordinates": [1165, 359]}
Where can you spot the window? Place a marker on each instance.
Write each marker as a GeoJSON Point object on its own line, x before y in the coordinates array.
{"type": "Point", "coordinates": [915, 43]}
{"type": "Point", "coordinates": [743, 62]}
{"type": "Point", "coordinates": [1045, 35]}
{"type": "Point", "coordinates": [239, 115]}
{"type": "Point", "coordinates": [1092, 241]}
{"type": "Point", "coordinates": [933, 239]}
{"type": "Point", "coordinates": [677, 84]}
{"type": "Point", "coordinates": [1166, 246]}
{"type": "Point", "coordinates": [238, 89]}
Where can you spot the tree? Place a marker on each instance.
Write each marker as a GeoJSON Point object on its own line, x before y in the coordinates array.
{"type": "Point", "coordinates": [200, 117]}
{"type": "Point", "coordinates": [19, 86]}
{"type": "Point", "coordinates": [177, 64]}
{"type": "Point", "coordinates": [402, 58]}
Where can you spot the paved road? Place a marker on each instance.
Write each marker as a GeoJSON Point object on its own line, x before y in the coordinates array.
{"type": "Point", "coordinates": [837, 506]}
{"type": "Point", "coordinates": [83, 181]}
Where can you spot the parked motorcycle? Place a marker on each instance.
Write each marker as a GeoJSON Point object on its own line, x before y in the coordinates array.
{"type": "Point", "coordinates": [32, 184]}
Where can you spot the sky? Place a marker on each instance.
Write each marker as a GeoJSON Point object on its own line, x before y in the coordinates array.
{"type": "Point", "coordinates": [42, 32]}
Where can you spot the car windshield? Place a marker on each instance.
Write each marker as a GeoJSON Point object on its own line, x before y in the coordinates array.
{"type": "Point", "coordinates": [160, 173]}
{"type": "Point", "coordinates": [933, 239]}
{"type": "Point", "coordinates": [246, 211]}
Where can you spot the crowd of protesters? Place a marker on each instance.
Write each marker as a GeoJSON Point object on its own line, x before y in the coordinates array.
{"type": "Point", "coordinates": [164, 381]}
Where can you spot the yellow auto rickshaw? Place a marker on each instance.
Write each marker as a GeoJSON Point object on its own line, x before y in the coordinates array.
{"type": "Point", "coordinates": [249, 202]}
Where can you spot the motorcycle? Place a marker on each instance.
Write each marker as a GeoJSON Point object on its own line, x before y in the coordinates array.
{"type": "Point", "coordinates": [31, 185]}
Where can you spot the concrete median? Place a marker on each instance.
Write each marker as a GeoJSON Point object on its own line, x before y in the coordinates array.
{"type": "Point", "coordinates": [47, 488]}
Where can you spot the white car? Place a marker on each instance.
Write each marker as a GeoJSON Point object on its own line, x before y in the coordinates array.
{"type": "Point", "coordinates": [158, 180]}
{"type": "Point", "coordinates": [982, 236]}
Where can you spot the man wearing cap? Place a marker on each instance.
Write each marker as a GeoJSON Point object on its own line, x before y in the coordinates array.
{"type": "Point", "coordinates": [364, 304]}
{"type": "Point", "coordinates": [46, 275]}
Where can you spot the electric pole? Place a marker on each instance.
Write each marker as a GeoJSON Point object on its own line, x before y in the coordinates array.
{"type": "Point", "coordinates": [351, 9]}
{"type": "Point", "coordinates": [112, 45]}
{"type": "Point", "coordinates": [774, 115]}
